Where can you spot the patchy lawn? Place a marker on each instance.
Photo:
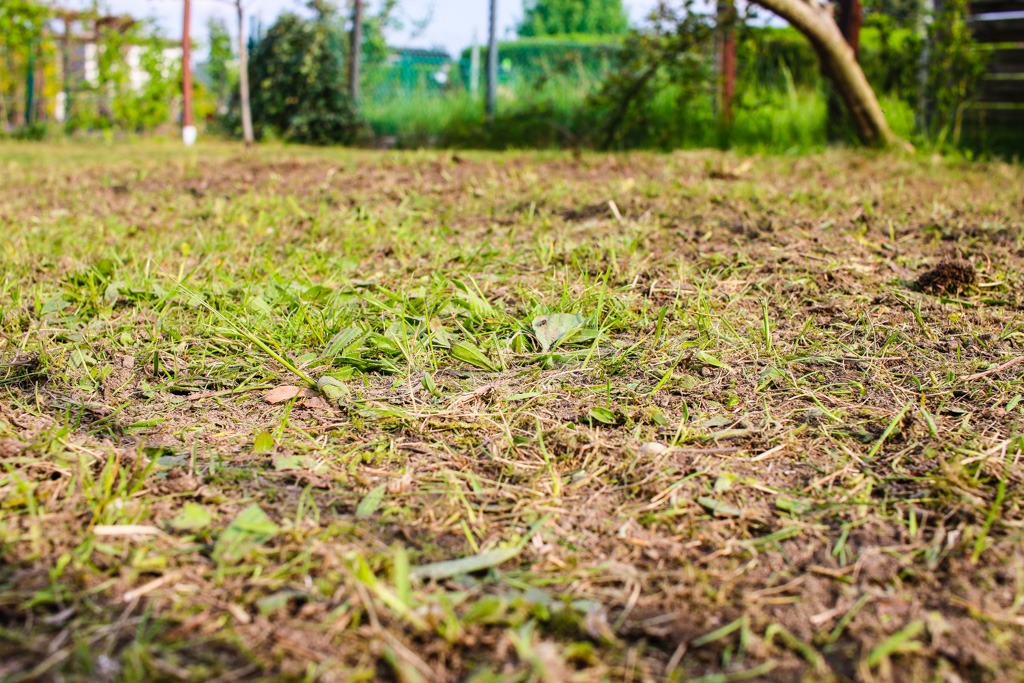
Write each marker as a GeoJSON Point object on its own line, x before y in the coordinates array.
{"type": "Point", "coordinates": [335, 415]}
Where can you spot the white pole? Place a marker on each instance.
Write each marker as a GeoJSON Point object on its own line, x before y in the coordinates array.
{"type": "Point", "coordinates": [474, 67]}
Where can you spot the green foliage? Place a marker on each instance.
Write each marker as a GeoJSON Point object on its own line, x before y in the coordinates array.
{"type": "Point", "coordinates": [669, 58]}
{"type": "Point", "coordinates": [117, 99]}
{"type": "Point", "coordinates": [955, 69]}
{"type": "Point", "coordinates": [298, 76]}
{"type": "Point", "coordinates": [562, 17]}
{"type": "Point", "coordinates": [114, 101]}
{"type": "Point", "coordinates": [889, 55]}
{"type": "Point", "coordinates": [222, 73]}
{"type": "Point", "coordinates": [906, 14]}
{"type": "Point", "coordinates": [21, 30]}
{"type": "Point", "coordinates": [769, 56]}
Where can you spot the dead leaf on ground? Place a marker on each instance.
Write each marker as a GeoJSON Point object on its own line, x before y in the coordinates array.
{"type": "Point", "coordinates": [287, 393]}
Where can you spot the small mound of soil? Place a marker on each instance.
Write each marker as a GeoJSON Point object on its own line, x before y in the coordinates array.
{"type": "Point", "coordinates": [951, 276]}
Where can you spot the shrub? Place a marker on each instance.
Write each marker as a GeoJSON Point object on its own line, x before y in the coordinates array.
{"type": "Point", "coordinates": [298, 76]}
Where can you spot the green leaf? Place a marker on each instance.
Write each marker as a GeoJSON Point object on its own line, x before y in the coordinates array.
{"type": "Point", "coordinates": [371, 502]}
{"type": "Point", "coordinates": [276, 601]}
{"type": "Point", "coordinates": [293, 462]}
{"type": "Point", "coordinates": [901, 641]}
{"type": "Point", "coordinates": [473, 301]}
{"type": "Point", "coordinates": [191, 518]}
{"type": "Point", "coordinates": [316, 293]}
{"type": "Point", "coordinates": [250, 529]}
{"type": "Point", "coordinates": [550, 329]}
{"type": "Point", "coordinates": [441, 338]}
{"type": "Point", "coordinates": [725, 482]}
{"type": "Point", "coordinates": [468, 353]}
{"type": "Point", "coordinates": [264, 443]}
{"type": "Point", "coordinates": [333, 388]}
{"type": "Point", "coordinates": [708, 359]}
{"type": "Point", "coordinates": [428, 384]}
{"type": "Point", "coordinates": [793, 506]}
{"type": "Point", "coordinates": [489, 609]}
{"type": "Point", "coordinates": [718, 507]}
{"type": "Point", "coordinates": [54, 305]}
{"type": "Point", "coordinates": [603, 415]}
{"type": "Point", "coordinates": [112, 293]}
{"type": "Point", "coordinates": [367, 364]}
{"type": "Point", "coordinates": [342, 341]}
{"type": "Point", "coordinates": [260, 305]}
{"type": "Point", "coordinates": [465, 565]}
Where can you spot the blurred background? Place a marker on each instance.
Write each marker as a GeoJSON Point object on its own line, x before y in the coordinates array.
{"type": "Point", "coordinates": [601, 74]}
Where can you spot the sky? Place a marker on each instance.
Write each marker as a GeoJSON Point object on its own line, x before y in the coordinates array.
{"type": "Point", "coordinates": [452, 25]}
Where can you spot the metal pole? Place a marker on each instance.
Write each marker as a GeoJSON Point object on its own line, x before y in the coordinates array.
{"type": "Point", "coordinates": [30, 84]}
{"type": "Point", "coordinates": [188, 128]}
{"type": "Point", "coordinates": [492, 62]}
{"type": "Point", "coordinates": [355, 54]}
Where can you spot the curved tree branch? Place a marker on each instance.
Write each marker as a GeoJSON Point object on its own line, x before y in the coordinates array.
{"type": "Point", "coordinates": [815, 21]}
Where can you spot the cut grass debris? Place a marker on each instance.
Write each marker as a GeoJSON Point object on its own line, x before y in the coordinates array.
{"type": "Point", "coordinates": [508, 417]}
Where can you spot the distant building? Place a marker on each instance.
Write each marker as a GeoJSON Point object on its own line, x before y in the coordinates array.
{"type": "Point", "coordinates": [413, 68]}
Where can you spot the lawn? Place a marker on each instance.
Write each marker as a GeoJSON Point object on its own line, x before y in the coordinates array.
{"type": "Point", "coordinates": [337, 415]}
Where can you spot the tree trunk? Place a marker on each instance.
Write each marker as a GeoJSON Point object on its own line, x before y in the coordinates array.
{"type": "Point", "coordinates": [243, 78]}
{"type": "Point", "coordinates": [355, 52]}
{"type": "Point", "coordinates": [814, 20]}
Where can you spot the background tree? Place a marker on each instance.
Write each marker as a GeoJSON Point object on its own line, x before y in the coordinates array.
{"type": "Point", "coordinates": [816, 22]}
{"type": "Point", "coordinates": [219, 63]}
{"type": "Point", "coordinates": [668, 56]}
{"type": "Point", "coordinates": [678, 31]}
{"type": "Point", "coordinates": [298, 76]}
{"type": "Point", "coordinates": [244, 98]}
{"type": "Point", "coordinates": [561, 17]}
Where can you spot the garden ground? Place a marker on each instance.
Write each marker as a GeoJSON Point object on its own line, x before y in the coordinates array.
{"type": "Point", "coordinates": [339, 415]}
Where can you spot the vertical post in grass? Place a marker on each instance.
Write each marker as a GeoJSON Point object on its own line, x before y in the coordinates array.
{"type": "Point", "coordinates": [355, 51]}
{"type": "Point", "coordinates": [924, 102]}
{"type": "Point", "coordinates": [188, 127]}
{"type": "Point", "coordinates": [849, 17]}
{"type": "Point", "coordinates": [726, 63]}
{"type": "Point", "coordinates": [65, 66]}
{"type": "Point", "coordinates": [474, 68]}
{"type": "Point", "coordinates": [243, 78]}
{"type": "Point", "coordinates": [492, 61]}
{"type": "Point", "coordinates": [30, 84]}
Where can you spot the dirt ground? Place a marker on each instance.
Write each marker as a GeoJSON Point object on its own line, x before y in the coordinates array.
{"type": "Point", "coordinates": [673, 417]}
